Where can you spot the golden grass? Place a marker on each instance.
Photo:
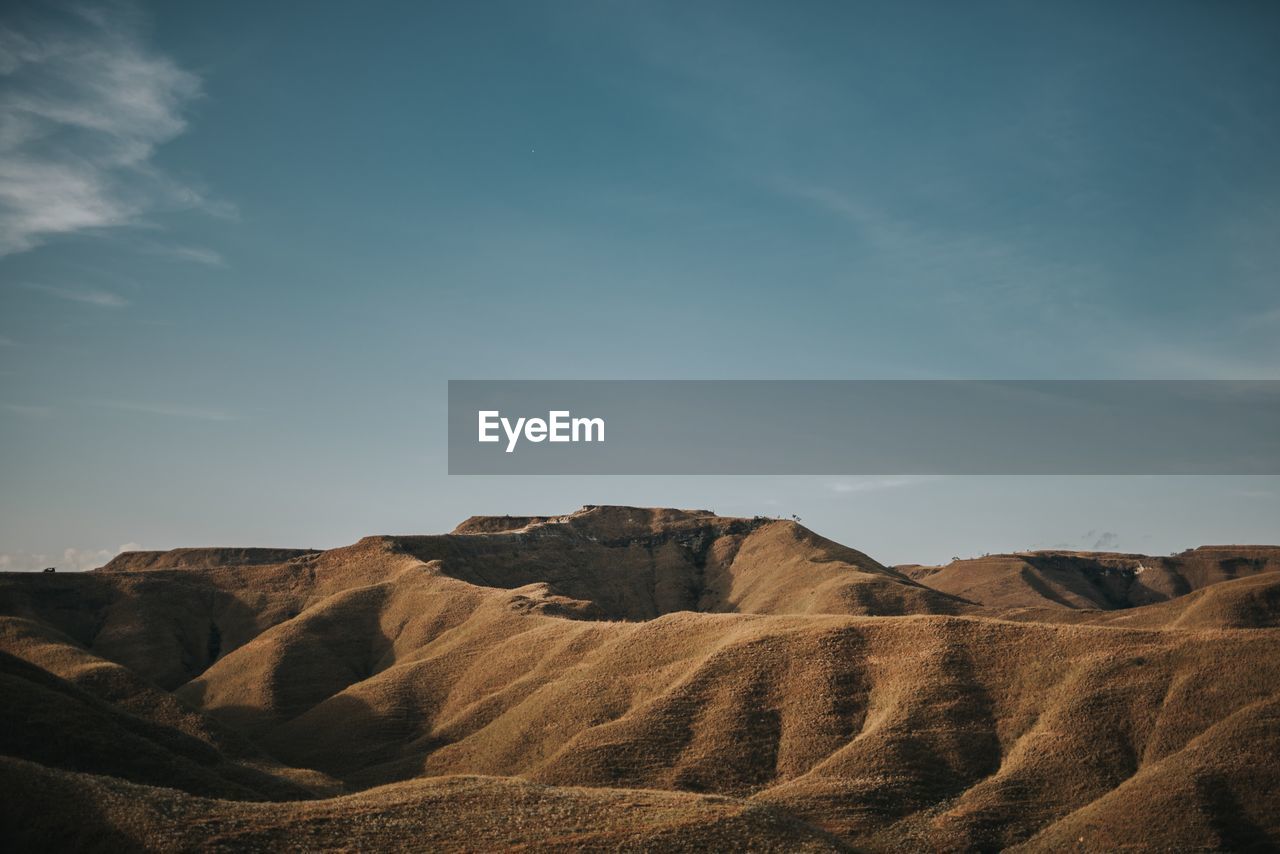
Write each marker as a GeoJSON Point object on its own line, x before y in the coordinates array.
{"type": "Point", "coordinates": [639, 678]}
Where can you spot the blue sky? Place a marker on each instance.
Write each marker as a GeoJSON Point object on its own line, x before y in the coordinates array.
{"type": "Point", "coordinates": [243, 248]}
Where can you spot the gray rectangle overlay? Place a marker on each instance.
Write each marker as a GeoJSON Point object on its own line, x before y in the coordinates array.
{"type": "Point", "coordinates": [869, 427]}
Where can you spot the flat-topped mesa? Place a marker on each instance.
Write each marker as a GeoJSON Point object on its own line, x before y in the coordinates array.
{"type": "Point", "coordinates": [641, 562]}
{"type": "Point", "coordinates": [614, 523]}
{"type": "Point", "coordinates": [631, 562]}
{"type": "Point", "coordinates": [201, 558]}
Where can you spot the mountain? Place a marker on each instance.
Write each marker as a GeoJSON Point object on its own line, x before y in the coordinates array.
{"type": "Point", "coordinates": [643, 678]}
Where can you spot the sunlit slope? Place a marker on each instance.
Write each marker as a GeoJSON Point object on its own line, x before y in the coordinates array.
{"type": "Point", "coordinates": [667, 661]}
{"type": "Point", "coordinates": [858, 724]}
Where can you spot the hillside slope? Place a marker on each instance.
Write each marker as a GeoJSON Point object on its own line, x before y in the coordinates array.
{"type": "Point", "coordinates": [715, 682]}
{"type": "Point", "coordinates": [1092, 580]}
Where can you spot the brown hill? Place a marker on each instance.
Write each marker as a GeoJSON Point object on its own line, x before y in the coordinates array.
{"type": "Point", "coordinates": [1102, 580]}
{"type": "Point", "coordinates": [637, 563]}
{"type": "Point", "coordinates": [721, 683]}
{"type": "Point", "coordinates": [445, 813]}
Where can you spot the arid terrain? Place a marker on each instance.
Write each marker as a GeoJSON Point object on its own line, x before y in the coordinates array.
{"type": "Point", "coordinates": [626, 679]}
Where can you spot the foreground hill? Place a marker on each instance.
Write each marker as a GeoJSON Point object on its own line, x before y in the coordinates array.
{"type": "Point", "coordinates": [476, 813]}
{"type": "Point", "coordinates": [721, 683]}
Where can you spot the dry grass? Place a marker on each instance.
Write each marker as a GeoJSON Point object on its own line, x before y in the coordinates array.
{"type": "Point", "coordinates": [717, 683]}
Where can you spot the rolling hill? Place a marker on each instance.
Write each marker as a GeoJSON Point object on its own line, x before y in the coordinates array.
{"type": "Point", "coordinates": [638, 679]}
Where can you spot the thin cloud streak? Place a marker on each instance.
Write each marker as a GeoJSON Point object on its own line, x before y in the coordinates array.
{"type": "Point", "coordinates": [1262, 319]}
{"type": "Point", "coordinates": [28, 411]}
{"type": "Point", "coordinates": [173, 411]}
{"type": "Point", "coordinates": [105, 299]}
{"type": "Point", "coordinates": [194, 254]}
{"type": "Point", "coordinates": [846, 487]}
{"type": "Point", "coordinates": [1257, 494]}
{"type": "Point", "coordinates": [967, 269]}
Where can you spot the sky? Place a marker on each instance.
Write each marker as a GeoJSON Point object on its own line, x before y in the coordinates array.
{"type": "Point", "coordinates": [243, 247]}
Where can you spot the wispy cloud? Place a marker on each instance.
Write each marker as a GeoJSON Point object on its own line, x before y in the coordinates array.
{"type": "Point", "coordinates": [1258, 494]}
{"type": "Point", "coordinates": [1263, 319]}
{"type": "Point", "coordinates": [105, 299]}
{"type": "Point", "coordinates": [27, 411]}
{"type": "Point", "coordinates": [848, 487]}
{"type": "Point", "coordinates": [983, 276]}
{"type": "Point", "coordinates": [85, 105]}
{"type": "Point", "coordinates": [194, 254]}
{"type": "Point", "coordinates": [6, 341]}
{"type": "Point", "coordinates": [964, 267]}
{"type": "Point", "coordinates": [173, 411]}
{"type": "Point", "coordinates": [1145, 357]}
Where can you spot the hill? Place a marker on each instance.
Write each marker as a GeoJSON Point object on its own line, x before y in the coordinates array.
{"type": "Point", "coordinates": [1095, 580]}
{"type": "Point", "coordinates": [629, 677]}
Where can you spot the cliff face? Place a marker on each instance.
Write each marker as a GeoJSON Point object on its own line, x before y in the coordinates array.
{"type": "Point", "coordinates": [662, 657]}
